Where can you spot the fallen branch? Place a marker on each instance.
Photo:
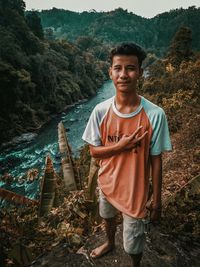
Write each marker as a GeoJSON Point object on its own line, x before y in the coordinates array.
{"type": "Point", "coordinates": [16, 198]}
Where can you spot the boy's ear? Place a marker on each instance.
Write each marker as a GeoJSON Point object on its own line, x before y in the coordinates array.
{"type": "Point", "coordinates": [141, 72]}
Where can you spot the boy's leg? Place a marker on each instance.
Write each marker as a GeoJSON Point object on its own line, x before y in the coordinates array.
{"type": "Point", "coordinates": [107, 212]}
{"type": "Point", "coordinates": [136, 259]}
{"type": "Point", "coordinates": [110, 227]}
{"type": "Point", "coordinates": [134, 238]}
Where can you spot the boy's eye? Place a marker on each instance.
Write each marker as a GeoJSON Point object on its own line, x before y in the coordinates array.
{"type": "Point", "coordinates": [128, 68]}
{"type": "Point", "coordinates": [131, 68]}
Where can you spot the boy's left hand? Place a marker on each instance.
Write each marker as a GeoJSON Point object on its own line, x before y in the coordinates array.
{"type": "Point", "coordinates": [155, 215]}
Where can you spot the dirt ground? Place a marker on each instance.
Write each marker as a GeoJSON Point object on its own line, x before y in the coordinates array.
{"type": "Point", "coordinates": [160, 251]}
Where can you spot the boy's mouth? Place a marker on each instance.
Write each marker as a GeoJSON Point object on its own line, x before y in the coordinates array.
{"type": "Point", "coordinates": [123, 82]}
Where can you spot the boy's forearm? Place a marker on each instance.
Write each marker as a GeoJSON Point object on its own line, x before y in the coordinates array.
{"type": "Point", "coordinates": [101, 152]}
{"type": "Point", "coordinates": [126, 143]}
{"type": "Point", "coordinates": [156, 163]}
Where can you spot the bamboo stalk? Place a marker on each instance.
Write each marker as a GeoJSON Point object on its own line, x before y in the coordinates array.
{"type": "Point", "coordinates": [92, 179]}
{"type": "Point", "coordinates": [47, 188]}
{"type": "Point", "coordinates": [59, 194]}
{"type": "Point", "coordinates": [67, 162]}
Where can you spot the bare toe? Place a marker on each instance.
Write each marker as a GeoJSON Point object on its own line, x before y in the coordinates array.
{"type": "Point", "coordinates": [101, 250]}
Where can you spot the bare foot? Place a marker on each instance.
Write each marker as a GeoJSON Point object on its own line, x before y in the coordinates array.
{"type": "Point", "coordinates": [101, 250]}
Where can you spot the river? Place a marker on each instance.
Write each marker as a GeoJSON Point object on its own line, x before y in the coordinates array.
{"type": "Point", "coordinates": [18, 160]}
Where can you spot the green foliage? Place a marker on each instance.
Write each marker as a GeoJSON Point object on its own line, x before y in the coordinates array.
{"type": "Point", "coordinates": [177, 90]}
{"type": "Point", "coordinates": [13, 5]}
{"type": "Point", "coordinates": [13, 22]}
{"type": "Point", "coordinates": [120, 25]}
{"type": "Point", "coordinates": [39, 78]}
{"type": "Point", "coordinates": [181, 47]}
{"type": "Point", "coordinates": [34, 24]}
{"type": "Point", "coordinates": [173, 82]}
{"type": "Point", "coordinates": [10, 50]}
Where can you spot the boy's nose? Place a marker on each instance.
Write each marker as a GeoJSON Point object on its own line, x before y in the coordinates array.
{"type": "Point", "coordinates": [123, 74]}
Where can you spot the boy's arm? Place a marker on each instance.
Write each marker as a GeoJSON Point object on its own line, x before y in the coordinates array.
{"type": "Point", "coordinates": [156, 163]}
{"type": "Point", "coordinates": [101, 152]}
{"type": "Point", "coordinates": [125, 143]}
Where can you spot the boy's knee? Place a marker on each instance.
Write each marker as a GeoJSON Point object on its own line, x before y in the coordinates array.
{"type": "Point", "coordinates": [106, 210]}
{"type": "Point", "coordinates": [134, 247]}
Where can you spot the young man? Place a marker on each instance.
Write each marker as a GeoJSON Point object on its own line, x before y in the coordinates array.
{"type": "Point", "coordinates": [128, 134]}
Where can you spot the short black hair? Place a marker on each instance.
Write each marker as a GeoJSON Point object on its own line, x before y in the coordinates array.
{"type": "Point", "coordinates": [128, 49]}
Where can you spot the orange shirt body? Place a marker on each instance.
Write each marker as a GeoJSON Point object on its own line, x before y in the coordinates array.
{"type": "Point", "coordinates": [124, 178]}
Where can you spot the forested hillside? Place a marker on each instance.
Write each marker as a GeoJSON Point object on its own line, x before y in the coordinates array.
{"type": "Point", "coordinates": [53, 58]}
{"type": "Point", "coordinates": [38, 77]}
{"type": "Point", "coordinates": [120, 25]}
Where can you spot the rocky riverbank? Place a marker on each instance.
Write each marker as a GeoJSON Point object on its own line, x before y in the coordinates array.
{"type": "Point", "coordinates": [30, 136]}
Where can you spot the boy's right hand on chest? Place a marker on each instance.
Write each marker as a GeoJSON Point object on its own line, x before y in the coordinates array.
{"type": "Point", "coordinates": [131, 141]}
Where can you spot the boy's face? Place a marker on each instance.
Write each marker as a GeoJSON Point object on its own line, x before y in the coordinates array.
{"type": "Point", "coordinates": [124, 72]}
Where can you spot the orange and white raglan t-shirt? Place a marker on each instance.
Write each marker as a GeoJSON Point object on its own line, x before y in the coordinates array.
{"type": "Point", "coordinates": [124, 178]}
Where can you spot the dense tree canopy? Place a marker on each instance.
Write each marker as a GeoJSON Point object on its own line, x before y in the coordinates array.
{"type": "Point", "coordinates": [120, 25]}
{"type": "Point", "coordinates": [40, 77]}
{"type": "Point", "coordinates": [181, 47]}
{"type": "Point", "coordinates": [34, 24]}
{"type": "Point", "coordinates": [41, 72]}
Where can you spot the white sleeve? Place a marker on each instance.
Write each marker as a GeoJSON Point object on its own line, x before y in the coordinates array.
{"type": "Point", "coordinates": [160, 141]}
{"type": "Point", "coordinates": [91, 134]}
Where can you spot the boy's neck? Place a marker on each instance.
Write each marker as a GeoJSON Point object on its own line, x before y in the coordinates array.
{"type": "Point", "coordinates": [127, 103]}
